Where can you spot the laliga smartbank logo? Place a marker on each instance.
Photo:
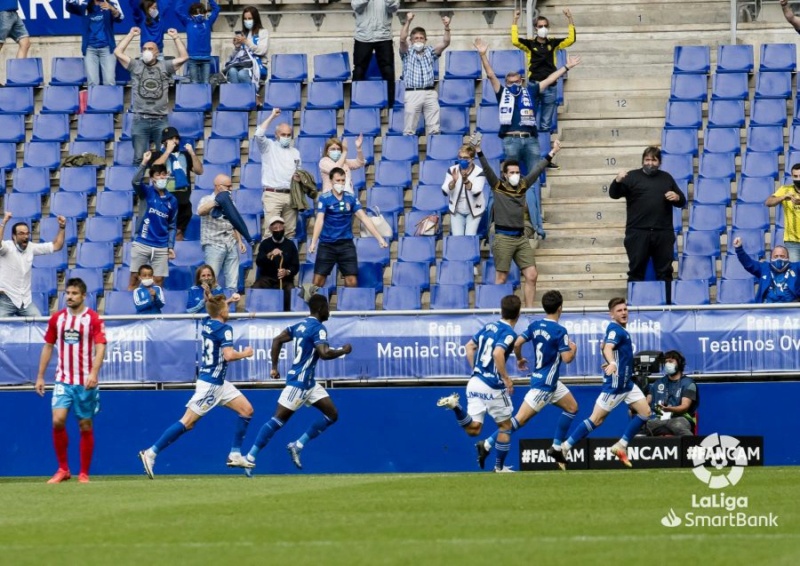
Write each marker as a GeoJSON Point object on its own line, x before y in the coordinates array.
{"type": "Point", "coordinates": [719, 462]}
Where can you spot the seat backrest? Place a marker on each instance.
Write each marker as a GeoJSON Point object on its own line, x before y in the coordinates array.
{"type": "Point", "coordinates": [735, 58]}
{"type": "Point", "coordinates": [332, 66]}
{"type": "Point", "coordinates": [417, 249]}
{"type": "Point", "coordinates": [368, 94]}
{"type": "Point", "coordinates": [647, 293]}
{"type": "Point", "coordinates": [355, 299]}
{"type": "Point", "coordinates": [488, 296]}
{"type": "Point", "coordinates": [690, 292]}
{"type": "Point", "coordinates": [362, 120]}
{"type": "Point", "coordinates": [445, 296]}
{"type": "Point", "coordinates": [292, 67]}
{"type": "Point", "coordinates": [237, 96]}
{"type": "Point", "coordinates": [69, 71]}
{"type": "Point", "coordinates": [323, 94]}
{"type": "Point", "coordinates": [401, 297]}
{"type": "Point", "coordinates": [264, 300]}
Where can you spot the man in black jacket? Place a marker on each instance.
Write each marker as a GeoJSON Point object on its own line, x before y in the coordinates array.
{"type": "Point", "coordinates": [278, 262]}
{"type": "Point", "coordinates": [650, 195]}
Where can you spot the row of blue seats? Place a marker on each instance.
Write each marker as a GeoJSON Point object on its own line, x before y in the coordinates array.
{"type": "Point", "coordinates": [691, 292]}
{"type": "Point", "coordinates": [731, 86]}
{"type": "Point", "coordinates": [696, 59]}
{"type": "Point", "coordinates": [728, 113]}
{"type": "Point", "coordinates": [723, 165]}
{"type": "Point", "coordinates": [729, 140]}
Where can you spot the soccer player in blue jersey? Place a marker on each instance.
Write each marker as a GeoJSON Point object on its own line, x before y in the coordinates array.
{"type": "Point", "coordinates": [618, 385]}
{"type": "Point", "coordinates": [212, 388]}
{"type": "Point", "coordinates": [310, 344]}
{"type": "Point", "coordinates": [552, 345]}
{"type": "Point", "coordinates": [490, 388]}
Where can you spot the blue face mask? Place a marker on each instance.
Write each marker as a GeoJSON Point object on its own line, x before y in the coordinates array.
{"type": "Point", "coordinates": [515, 89]}
{"type": "Point", "coordinates": [335, 154]}
{"type": "Point", "coordinates": [779, 265]}
{"type": "Point", "coordinates": [199, 19]}
{"type": "Point", "coordinates": [464, 163]}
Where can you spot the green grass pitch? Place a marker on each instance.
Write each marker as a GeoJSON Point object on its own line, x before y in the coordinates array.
{"type": "Point", "coordinates": [578, 517]}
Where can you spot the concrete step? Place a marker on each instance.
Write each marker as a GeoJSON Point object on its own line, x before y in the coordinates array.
{"type": "Point", "coordinates": [617, 133]}
{"type": "Point", "coordinates": [609, 266]}
{"type": "Point", "coordinates": [598, 214]}
{"type": "Point", "coordinates": [596, 253]}
{"type": "Point", "coordinates": [577, 159]}
{"type": "Point", "coordinates": [617, 102]}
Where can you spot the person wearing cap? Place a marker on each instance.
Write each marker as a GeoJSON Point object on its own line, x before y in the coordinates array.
{"type": "Point", "coordinates": [278, 262]}
{"type": "Point", "coordinates": [180, 163]}
{"type": "Point", "coordinates": [221, 243]}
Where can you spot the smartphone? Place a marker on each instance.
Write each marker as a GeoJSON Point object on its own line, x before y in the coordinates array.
{"type": "Point", "coordinates": [238, 32]}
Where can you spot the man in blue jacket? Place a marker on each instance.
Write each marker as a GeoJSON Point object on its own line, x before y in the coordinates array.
{"type": "Point", "coordinates": [777, 278]}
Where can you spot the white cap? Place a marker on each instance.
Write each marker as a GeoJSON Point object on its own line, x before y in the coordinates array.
{"type": "Point", "coordinates": [275, 219]}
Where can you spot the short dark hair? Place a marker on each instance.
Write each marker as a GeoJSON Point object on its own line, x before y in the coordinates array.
{"type": "Point", "coordinates": [144, 266]}
{"type": "Point", "coordinates": [419, 30]}
{"type": "Point", "coordinates": [508, 162]}
{"type": "Point", "coordinates": [159, 168]}
{"type": "Point", "coordinates": [678, 357]}
{"type": "Point", "coordinates": [76, 282]}
{"type": "Point", "coordinates": [552, 301]}
{"type": "Point", "coordinates": [616, 301]}
{"type": "Point", "coordinates": [796, 166]}
{"type": "Point", "coordinates": [652, 151]}
{"type": "Point", "coordinates": [510, 306]}
{"type": "Point", "coordinates": [316, 303]}
{"type": "Point", "coordinates": [541, 19]}
{"type": "Point", "coordinates": [197, 8]}
{"type": "Point", "coordinates": [18, 224]}
{"type": "Point", "coordinates": [336, 171]}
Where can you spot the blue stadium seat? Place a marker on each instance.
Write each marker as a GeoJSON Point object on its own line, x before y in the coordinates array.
{"type": "Point", "coordinates": [250, 178]}
{"type": "Point", "coordinates": [752, 241]}
{"type": "Point", "coordinates": [488, 95]}
{"type": "Point", "coordinates": [726, 114]}
{"type": "Point", "coordinates": [417, 249]}
{"type": "Point", "coordinates": [119, 303]}
{"type": "Point", "coordinates": [12, 128]}
{"type": "Point", "coordinates": [118, 178]}
{"type": "Point", "coordinates": [97, 147]}
{"type": "Point", "coordinates": [70, 205]}
{"type": "Point", "coordinates": [321, 94]}
{"type": "Point", "coordinates": [42, 302]}
{"type": "Point", "coordinates": [289, 67]}
{"type": "Point", "coordinates": [312, 167]}
{"type": "Point", "coordinates": [730, 86]}
{"type": "Point", "coordinates": [48, 230]}
{"type": "Point", "coordinates": [174, 299]}
{"type": "Point", "coordinates": [78, 180]}
{"type": "Point", "coordinates": [355, 298]}
{"type": "Point", "coordinates": [180, 278]}
{"type": "Point", "coordinates": [679, 165]}
{"type": "Point", "coordinates": [400, 148]}
{"type": "Point", "coordinates": [393, 173]}
{"type": "Point", "coordinates": [489, 296]}
{"type": "Point", "coordinates": [415, 217]}
{"type": "Point", "coordinates": [332, 66]}
{"type": "Point", "coordinates": [768, 112]}
{"type": "Point", "coordinates": [722, 140]}
{"type": "Point", "coordinates": [93, 277]}
{"type": "Point", "coordinates": [237, 97]}
{"type": "Point", "coordinates": [368, 94]}
{"type": "Point", "coordinates": [95, 127]}
{"type": "Point", "coordinates": [191, 97]}
{"type": "Point", "coordinates": [188, 253]}
{"type": "Point", "coordinates": [248, 201]}
{"type": "Point", "coordinates": [8, 159]}
{"type": "Point", "coordinates": [230, 124]}
{"type": "Point", "coordinates": [396, 123]}
{"type": "Point", "coordinates": [99, 255]}
{"type": "Point", "coordinates": [123, 153]}
{"type": "Point", "coordinates": [690, 292]}
{"type": "Point", "coordinates": [684, 114]}
{"type": "Point", "coordinates": [44, 280]}
{"type": "Point", "coordinates": [399, 93]}
{"type": "Point", "coordinates": [365, 121]}
{"type": "Point", "coordinates": [735, 291]}
{"type": "Point", "coordinates": [691, 59]}
{"type": "Point", "coordinates": [429, 198]}
{"type": "Point", "coordinates": [776, 236]}
{"type": "Point", "coordinates": [190, 125]}
{"type": "Point", "coordinates": [735, 58]}
{"type": "Point", "coordinates": [777, 57]}
{"type": "Point", "coordinates": [707, 217]}
{"type": "Point", "coordinates": [457, 92]}
{"type": "Point", "coordinates": [31, 180]}
{"type": "Point", "coordinates": [402, 298]}
{"type": "Point", "coordinates": [386, 198]}
{"type": "Point", "coordinates": [689, 87]}
{"type": "Point", "coordinates": [318, 123]}
{"type": "Point", "coordinates": [24, 72]}
{"type": "Point", "coordinates": [51, 127]}
{"type": "Point", "coordinates": [694, 267]}
{"type": "Point", "coordinates": [446, 296]}
{"type": "Point", "coordinates": [760, 164]}
{"type": "Point", "coordinates": [284, 118]}
{"type": "Point", "coordinates": [774, 85]}
{"type": "Point", "coordinates": [367, 148]}
{"type": "Point", "coordinates": [750, 217]}
{"type": "Point", "coordinates": [794, 138]}
{"type": "Point", "coordinates": [504, 61]}
{"type": "Point", "coordinates": [56, 260]}
{"type": "Point", "coordinates": [90, 301]}
{"type": "Point", "coordinates": [42, 154]}
{"type": "Point", "coordinates": [60, 100]}
{"type": "Point", "coordinates": [701, 242]}
{"type": "Point", "coordinates": [16, 100]}
{"type": "Point", "coordinates": [127, 124]}
{"type": "Point", "coordinates": [755, 190]}
{"type": "Point", "coordinates": [444, 147]}
{"type": "Point", "coordinates": [103, 99]}
{"type": "Point", "coordinates": [456, 273]}
{"type": "Point", "coordinates": [461, 248]}
{"type": "Point", "coordinates": [433, 172]}
{"type": "Point", "coordinates": [677, 219]}
{"type": "Point", "coordinates": [732, 268]}
{"type": "Point", "coordinates": [462, 65]}
{"type": "Point", "coordinates": [647, 293]}
{"type": "Point", "coordinates": [717, 166]}
{"type": "Point", "coordinates": [104, 229]}
{"type": "Point", "coordinates": [222, 151]}
{"type": "Point", "coordinates": [122, 75]}
{"type": "Point", "coordinates": [264, 300]}
{"type": "Point", "coordinates": [306, 275]}
{"type": "Point", "coordinates": [68, 71]}
{"type": "Point", "coordinates": [368, 250]}
{"type": "Point", "coordinates": [117, 204]}
{"type": "Point", "coordinates": [415, 274]}
{"type": "Point", "coordinates": [454, 120]}
{"type": "Point", "coordinates": [205, 181]}
{"type": "Point", "coordinates": [679, 140]}
{"type": "Point", "coordinates": [712, 191]}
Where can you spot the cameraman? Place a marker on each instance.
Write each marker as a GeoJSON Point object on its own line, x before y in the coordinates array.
{"type": "Point", "coordinates": [673, 399]}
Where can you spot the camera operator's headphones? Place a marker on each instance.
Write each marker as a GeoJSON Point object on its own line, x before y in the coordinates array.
{"type": "Point", "coordinates": [677, 356]}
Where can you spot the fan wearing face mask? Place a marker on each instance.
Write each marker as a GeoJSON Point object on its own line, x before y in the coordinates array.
{"type": "Point", "coordinates": [152, 20]}
{"type": "Point", "coordinates": [777, 278]}
{"type": "Point", "coordinates": [148, 298]}
{"type": "Point", "coordinates": [97, 43]}
{"type": "Point", "coordinates": [334, 154]}
{"type": "Point", "coordinates": [278, 262]}
{"type": "Point", "coordinates": [199, 22]}
{"type": "Point", "coordinates": [650, 195]}
{"type": "Point", "coordinates": [673, 399]}
{"type": "Point", "coordinates": [788, 196]}
{"type": "Point", "coordinates": [418, 62]}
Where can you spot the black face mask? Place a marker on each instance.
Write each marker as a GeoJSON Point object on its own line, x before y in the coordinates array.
{"type": "Point", "coordinates": [278, 236]}
{"type": "Point", "coordinates": [797, 185]}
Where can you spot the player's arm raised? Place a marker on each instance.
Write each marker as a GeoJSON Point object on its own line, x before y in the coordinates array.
{"type": "Point", "coordinates": [275, 352]}
{"type": "Point", "coordinates": [499, 355]}
{"type": "Point", "coordinates": [327, 353]}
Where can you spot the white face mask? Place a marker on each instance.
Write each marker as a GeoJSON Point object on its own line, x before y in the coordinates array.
{"type": "Point", "coordinates": [161, 184]}
{"type": "Point", "coordinates": [339, 188]}
{"type": "Point", "coordinates": [514, 179]}
{"type": "Point", "coordinates": [418, 46]}
{"type": "Point", "coordinates": [147, 282]}
{"type": "Point", "coordinates": [248, 24]}
{"type": "Point", "coordinates": [147, 56]}
{"type": "Point", "coordinates": [335, 154]}
{"type": "Point", "coordinates": [153, 13]}
{"type": "Point", "coordinates": [285, 142]}
{"type": "Point", "coordinates": [542, 32]}
{"type": "Point", "coordinates": [671, 368]}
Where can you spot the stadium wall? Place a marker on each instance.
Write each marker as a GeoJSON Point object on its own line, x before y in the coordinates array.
{"type": "Point", "coordinates": [380, 430]}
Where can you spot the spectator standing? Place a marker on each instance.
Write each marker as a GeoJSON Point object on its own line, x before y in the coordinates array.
{"type": "Point", "coordinates": [11, 25]}
{"type": "Point", "coordinates": [16, 263]}
{"type": "Point", "coordinates": [279, 164]}
{"type": "Point", "coordinates": [205, 286]}
{"type": "Point", "coordinates": [674, 399]}
{"type": "Point", "coordinates": [154, 237]}
{"type": "Point", "coordinates": [151, 21]}
{"type": "Point", "coordinates": [778, 279]}
{"type": "Point", "coordinates": [374, 34]}
{"type": "Point", "coordinates": [650, 196]}
{"type": "Point", "coordinates": [179, 163]}
{"type": "Point", "coordinates": [97, 37]}
{"type": "Point", "coordinates": [221, 243]}
{"type": "Point", "coordinates": [278, 262]}
{"type": "Point", "coordinates": [463, 186]}
{"type": "Point", "coordinates": [255, 37]}
{"type": "Point", "coordinates": [541, 55]}
{"type": "Point", "coordinates": [147, 297]}
{"type": "Point", "coordinates": [150, 80]}
{"type": "Point", "coordinates": [335, 155]}
{"type": "Point", "coordinates": [788, 196]}
{"type": "Point", "coordinates": [418, 66]}
{"type": "Point", "coordinates": [199, 22]}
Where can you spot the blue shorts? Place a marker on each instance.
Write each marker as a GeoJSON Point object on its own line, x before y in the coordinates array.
{"type": "Point", "coordinates": [11, 26]}
{"type": "Point", "coordinates": [85, 403]}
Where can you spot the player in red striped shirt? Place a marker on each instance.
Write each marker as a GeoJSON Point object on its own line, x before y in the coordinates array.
{"type": "Point", "coordinates": [77, 330]}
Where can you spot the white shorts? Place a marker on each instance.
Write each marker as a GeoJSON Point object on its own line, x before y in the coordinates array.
{"type": "Point", "coordinates": [538, 399]}
{"type": "Point", "coordinates": [207, 396]}
{"type": "Point", "coordinates": [482, 399]}
{"type": "Point", "coordinates": [294, 397]}
{"type": "Point", "coordinates": [608, 401]}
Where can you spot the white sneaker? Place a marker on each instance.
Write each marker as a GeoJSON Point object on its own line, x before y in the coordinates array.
{"type": "Point", "coordinates": [294, 453]}
{"type": "Point", "coordinates": [236, 460]}
{"type": "Point", "coordinates": [449, 402]}
{"type": "Point", "coordinates": [504, 470]}
{"type": "Point", "coordinates": [251, 465]}
{"type": "Point", "coordinates": [148, 462]}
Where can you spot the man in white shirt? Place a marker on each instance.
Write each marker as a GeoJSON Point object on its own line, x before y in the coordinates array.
{"type": "Point", "coordinates": [279, 164]}
{"type": "Point", "coordinates": [16, 263]}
